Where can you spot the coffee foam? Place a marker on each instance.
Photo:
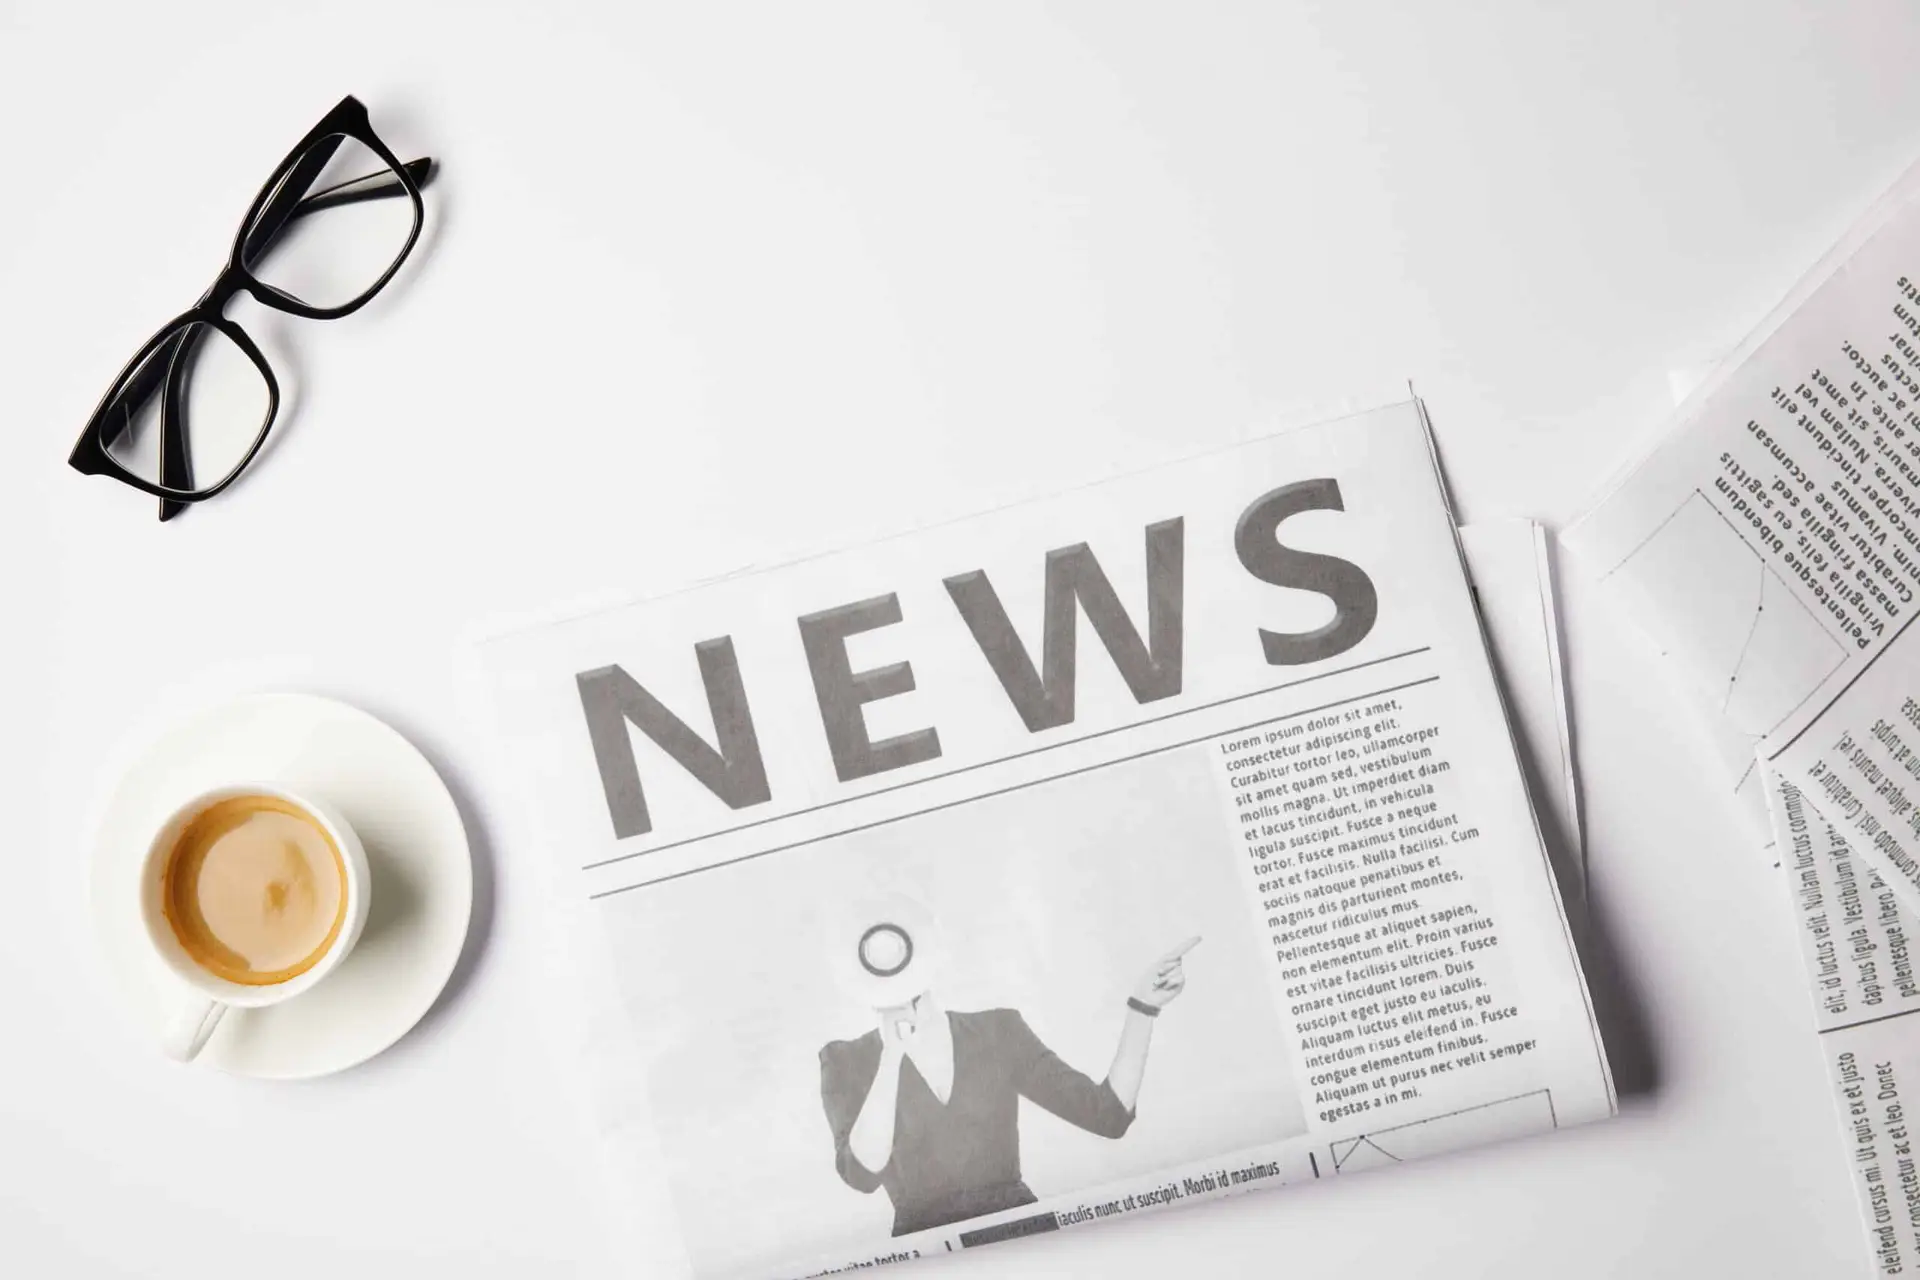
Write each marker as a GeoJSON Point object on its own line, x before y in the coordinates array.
{"type": "Point", "coordinates": [255, 890]}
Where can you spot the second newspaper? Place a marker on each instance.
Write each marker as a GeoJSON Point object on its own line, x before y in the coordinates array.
{"type": "Point", "coordinates": [1151, 843]}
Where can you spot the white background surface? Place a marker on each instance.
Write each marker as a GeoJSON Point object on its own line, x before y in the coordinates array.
{"type": "Point", "coordinates": [707, 286]}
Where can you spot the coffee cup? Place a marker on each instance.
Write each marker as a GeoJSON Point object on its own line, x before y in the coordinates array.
{"type": "Point", "coordinates": [249, 894]}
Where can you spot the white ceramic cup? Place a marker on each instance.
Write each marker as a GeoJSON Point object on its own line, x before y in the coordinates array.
{"type": "Point", "coordinates": [208, 997]}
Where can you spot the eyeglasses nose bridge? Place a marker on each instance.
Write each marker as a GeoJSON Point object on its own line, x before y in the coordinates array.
{"type": "Point", "coordinates": [230, 282]}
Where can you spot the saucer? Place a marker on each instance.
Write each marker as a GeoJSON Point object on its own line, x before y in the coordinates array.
{"type": "Point", "coordinates": [422, 878]}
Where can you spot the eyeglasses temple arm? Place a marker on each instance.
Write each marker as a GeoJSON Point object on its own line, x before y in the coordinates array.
{"type": "Point", "coordinates": [285, 207]}
{"type": "Point", "coordinates": [372, 186]}
{"type": "Point", "coordinates": [176, 466]}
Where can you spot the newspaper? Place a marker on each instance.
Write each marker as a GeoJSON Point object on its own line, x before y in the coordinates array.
{"type": "Point", "coordinates": [1770, 545]}
{"type": "Point", "coordinates": [1156, 842]}
{"type": "Point", "coordinates": [1859, 943]}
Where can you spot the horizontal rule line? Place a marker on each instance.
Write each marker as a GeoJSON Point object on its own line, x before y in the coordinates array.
{"type": "Point", "coordinates": [985, 764]}
{"type": "Point", "coordinates": [1018, 786]}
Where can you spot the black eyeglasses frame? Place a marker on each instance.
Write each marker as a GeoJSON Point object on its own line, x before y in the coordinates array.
{"type": "Point", "coordinates": [282, 198]}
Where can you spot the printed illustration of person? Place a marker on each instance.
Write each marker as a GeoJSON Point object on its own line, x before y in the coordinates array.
{"type": "Point", "coordinates": [926, 1105]}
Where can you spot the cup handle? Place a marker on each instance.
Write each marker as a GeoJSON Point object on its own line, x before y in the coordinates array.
{"type": "Point", "coordinates": [190, 1029]}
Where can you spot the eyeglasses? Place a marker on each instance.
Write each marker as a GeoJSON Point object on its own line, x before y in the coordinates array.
{"type": "Point", "coordinates": [194, 405]}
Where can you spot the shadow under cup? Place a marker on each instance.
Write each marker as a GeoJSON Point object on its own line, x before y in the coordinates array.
{"type": "Point", "coordinates": [163, 865]}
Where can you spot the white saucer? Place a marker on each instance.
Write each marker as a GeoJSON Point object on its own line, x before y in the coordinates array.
{"type": "Point", "coordinates": [416, 849]}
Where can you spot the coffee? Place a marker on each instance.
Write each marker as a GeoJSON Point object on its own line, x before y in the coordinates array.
{"type": "Point", "coordinates": [255, 890]}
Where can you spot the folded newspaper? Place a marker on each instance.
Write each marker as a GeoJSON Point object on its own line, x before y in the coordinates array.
{"type": "Point", "coordinates": [1770, 547]}
{"type": "Point", "coordinates": [1770, 544]}
{"type": "Point", "coordinates": [1152, 843]}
